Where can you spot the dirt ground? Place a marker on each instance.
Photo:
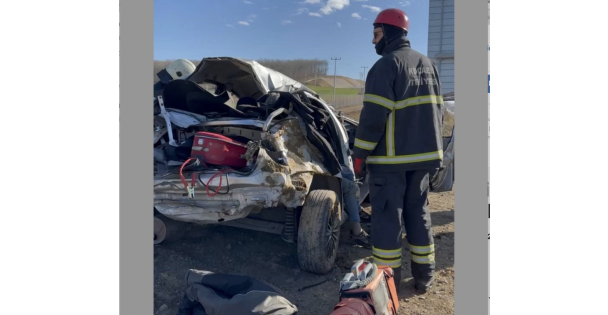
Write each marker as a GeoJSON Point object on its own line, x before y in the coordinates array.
{"type": "Point", "coordinates": [267, 258]}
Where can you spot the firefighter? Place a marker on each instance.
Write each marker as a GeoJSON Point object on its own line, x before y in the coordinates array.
{"type": "Point", "coordinates": [398, 143]}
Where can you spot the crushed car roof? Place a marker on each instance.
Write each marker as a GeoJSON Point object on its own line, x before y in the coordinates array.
{"type": "Point", "coordinates": [243, 77]}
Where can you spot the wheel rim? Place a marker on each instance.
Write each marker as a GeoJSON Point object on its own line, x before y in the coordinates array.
{"type": "Point", "coordinates": [333, 233]}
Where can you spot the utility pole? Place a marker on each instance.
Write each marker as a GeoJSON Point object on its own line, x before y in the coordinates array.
{"type": "Point", "coordinates": [363, 88]}
{"type": "Point", "coordinates": [361, 77]}
{"type": "Point", "coordinates": [335, 69]}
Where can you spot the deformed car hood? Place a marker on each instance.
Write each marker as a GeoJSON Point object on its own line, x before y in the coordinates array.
{"type": "Point", "coordinates": [243, 77]}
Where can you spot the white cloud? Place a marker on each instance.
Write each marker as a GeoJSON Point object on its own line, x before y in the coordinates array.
{"type": "Point", "coordinates": [244, 23]}
{"type": "Point", "coordinates": [312, 1]}
{"type": "Point", "coordinates": [356, 16]}
{"type": "Point", "coordinates": [301, 11]}
{"type": "Point", "coordinates": [334, 5]}
{"type": "Point", "coordinates": [248, 2]}
{"type": "Point", "coordinates": [404, 3]}
{"type": "Point", "coordinates": [230, 25]}
{"type": "Point", "coordinates": [372, 8]}
{"type": "Point", "coordinates": [360, 0]}
{"type": "Point", "coordinates": [339, 24]}
{"type": "Point", "coordinates": [314, 14]}
{"type": "Point", "coordinates": [284, 22]}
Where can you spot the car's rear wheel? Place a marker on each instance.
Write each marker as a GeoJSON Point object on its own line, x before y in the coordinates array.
{"type": "Point", "coordinates": [160, 231]}
{"type": "Point", "coordinates": [319, 231]}
{"type": "Point", "coordinates": [165, 229]}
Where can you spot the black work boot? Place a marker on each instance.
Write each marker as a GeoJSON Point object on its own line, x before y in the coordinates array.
{"type": "Point", "coordinates": [423, 284]}
{"type": "Point", "coordinates": [358, 235]}
{"type": "Point", "coordinates": [363, 239]}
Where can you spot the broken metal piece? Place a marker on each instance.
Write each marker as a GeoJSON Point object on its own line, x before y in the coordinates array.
{"type": "Point", "coordinates": [165, 115]}
{"type": "Point", "coordinates": [271, 117]}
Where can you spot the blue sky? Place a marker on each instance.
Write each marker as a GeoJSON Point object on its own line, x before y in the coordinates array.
{"type": "Point", "coordinates": [279, 29]}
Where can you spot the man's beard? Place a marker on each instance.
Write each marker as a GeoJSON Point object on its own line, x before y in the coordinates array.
{"type": "Point", "coordinates": [380, 46]}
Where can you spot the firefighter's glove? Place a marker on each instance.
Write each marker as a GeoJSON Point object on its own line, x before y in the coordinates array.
{"type": "Point", "coordinates": [360, 168]}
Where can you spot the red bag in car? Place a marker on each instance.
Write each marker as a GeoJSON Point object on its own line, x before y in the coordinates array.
{"type": "Point", "coordinates": [219, 150]}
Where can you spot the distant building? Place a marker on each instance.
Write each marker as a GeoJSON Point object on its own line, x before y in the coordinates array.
{"type": "Point", "coordinates": [441, 41]}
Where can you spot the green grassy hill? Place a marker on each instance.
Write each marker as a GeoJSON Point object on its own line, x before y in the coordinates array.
{"type": "Point", "coordinates": [329, 90]}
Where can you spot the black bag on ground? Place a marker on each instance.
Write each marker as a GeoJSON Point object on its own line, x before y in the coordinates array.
{"type": "Point", "coordinates": [209, 293]}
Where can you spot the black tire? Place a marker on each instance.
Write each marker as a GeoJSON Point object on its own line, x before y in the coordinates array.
{"type": "Point", "coordinates": [166, 230]}
{"type": "Point", "coordinates": [319, 231]}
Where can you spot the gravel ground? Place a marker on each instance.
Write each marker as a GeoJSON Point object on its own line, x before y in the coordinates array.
{"type": "Point", "coordinates": [267, 258]}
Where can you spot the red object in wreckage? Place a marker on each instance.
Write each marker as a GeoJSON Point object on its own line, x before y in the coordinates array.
{"type": "Point", "coordinates": [217, 149]}
{"type": "Point", "coordinates": [353, 307]}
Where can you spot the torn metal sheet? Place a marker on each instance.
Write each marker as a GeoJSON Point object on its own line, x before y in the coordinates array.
{"type": "Point", "coordinates": [182, 120]}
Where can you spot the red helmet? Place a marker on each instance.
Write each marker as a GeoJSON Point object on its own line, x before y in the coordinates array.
{"type": "Point", "coordinates": [394, 17]}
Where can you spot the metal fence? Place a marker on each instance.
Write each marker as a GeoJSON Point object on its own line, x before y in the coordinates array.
{"type": "Point", "coordinates": [342, 101]}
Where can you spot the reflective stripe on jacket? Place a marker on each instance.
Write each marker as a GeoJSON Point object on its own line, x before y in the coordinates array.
{"type": "Point", "coordinates": [401, 120]}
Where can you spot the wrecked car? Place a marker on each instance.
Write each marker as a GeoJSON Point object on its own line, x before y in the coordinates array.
{"type": "Point", "coordinates": [271, 161]}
